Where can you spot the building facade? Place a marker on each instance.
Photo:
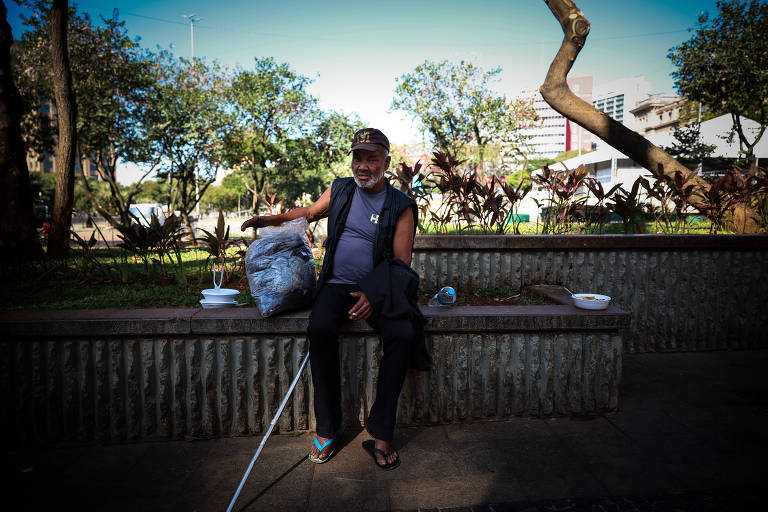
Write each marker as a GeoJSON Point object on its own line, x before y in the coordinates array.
{"type": "Point", "coordinates": [618, 98]}
{"type": "Point", "coordinates": [46, 163]}
{"type": "Point", "coordinates": [658, 113]}
{"type": "Point", "coordinates": [553, 133]}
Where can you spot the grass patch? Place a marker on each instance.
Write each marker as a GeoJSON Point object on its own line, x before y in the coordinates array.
{"type": "Point", "coordinates": [107, 278]}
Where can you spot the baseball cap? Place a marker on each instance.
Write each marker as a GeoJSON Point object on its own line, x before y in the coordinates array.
{"type": "Point", "coordinates": [370, 139]}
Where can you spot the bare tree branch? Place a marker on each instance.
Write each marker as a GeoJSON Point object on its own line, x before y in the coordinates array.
{"type": "Point", "coordinates": [559, 96]}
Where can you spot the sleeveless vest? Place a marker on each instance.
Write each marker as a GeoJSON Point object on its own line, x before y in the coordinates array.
{"type": "Point", "coordinates": [395, 203]}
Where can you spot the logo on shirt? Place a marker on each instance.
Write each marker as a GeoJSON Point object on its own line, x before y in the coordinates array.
{"type": "Point", "coordinates": [374, 218]}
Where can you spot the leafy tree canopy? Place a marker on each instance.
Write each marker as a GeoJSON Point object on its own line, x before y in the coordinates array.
{"type": "Point", "coordinates": [190, 122]}
{"type": "Point", "coordinates": [725, 65]}
{"type": "Point", "coordinates": [112, 80]}
{"type": "Point", "coordinates": [281, 141]}
{"type": "Point", "coordinates": [687, 146]}
{"type": "Point", "coordinates": [455, 103]}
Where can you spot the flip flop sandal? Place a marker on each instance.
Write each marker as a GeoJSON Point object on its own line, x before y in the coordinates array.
{"type": "Point", "coordinates": [370, 447]}
{"type": "Point", "coordinates": [320, 449]}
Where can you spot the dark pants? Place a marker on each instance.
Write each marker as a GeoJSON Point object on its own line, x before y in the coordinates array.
{"type": "Point", "coordinates": [329, 310]}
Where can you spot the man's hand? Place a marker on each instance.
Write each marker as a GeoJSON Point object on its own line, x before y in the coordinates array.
{"type": "Point", "coordinates": [253, 222]}
{"type": "Point", "coordinates": [362, 308]}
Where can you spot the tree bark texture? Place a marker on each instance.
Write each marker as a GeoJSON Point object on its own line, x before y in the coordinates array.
{"type": "Point", "coordinates": [58, 241]}
{"type": "Point", "coordinates": [559, 96]}
{"type": "Point", "coordinates": [18, 234]}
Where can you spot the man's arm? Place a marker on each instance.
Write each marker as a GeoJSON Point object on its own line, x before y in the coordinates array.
{"type": "Point", "coordinates": [313, 212]}
{"type": "Point", "coordinates": [403, 243]}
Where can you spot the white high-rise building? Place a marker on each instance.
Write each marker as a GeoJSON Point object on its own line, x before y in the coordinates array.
{"type": "Point", "coordinates": [553, 133]}
{"type": "Point", "coordinates": [619, 97]}
{"type": "Point", "coordinates": [548, 134]}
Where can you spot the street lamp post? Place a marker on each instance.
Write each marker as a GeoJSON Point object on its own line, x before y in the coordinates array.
{"type": "Point", "coordinates": [192, 20]}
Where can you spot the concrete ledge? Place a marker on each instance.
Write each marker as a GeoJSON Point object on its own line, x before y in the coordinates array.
{"type": "Point", "coordinates": [194, 321]}
{"type": "Point", "coordinates": [96, 322]}
{"type": "Point", "coordinates": [114, 375]}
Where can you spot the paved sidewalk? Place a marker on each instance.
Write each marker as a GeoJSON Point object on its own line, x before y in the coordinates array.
{"type": "Point", "coordinates": [691, 434]}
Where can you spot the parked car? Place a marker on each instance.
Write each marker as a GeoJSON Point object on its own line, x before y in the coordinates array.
{"type": "Point", "coordinates": [143, 212]}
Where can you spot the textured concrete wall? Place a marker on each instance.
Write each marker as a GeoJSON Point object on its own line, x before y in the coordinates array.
{"type": "Point", "coordinates": [61, 387]}
{"type": "Point", "coordinates": [683, 292]}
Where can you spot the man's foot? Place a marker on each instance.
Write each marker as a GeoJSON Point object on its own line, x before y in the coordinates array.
{"type": "Point", "coordinates": [321, 450]}
{"type": "Point", "coordinates": [382, 452]}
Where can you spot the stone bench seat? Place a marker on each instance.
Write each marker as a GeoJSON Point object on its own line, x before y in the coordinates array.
{"type": "Point", "coordinates": [113, 375]}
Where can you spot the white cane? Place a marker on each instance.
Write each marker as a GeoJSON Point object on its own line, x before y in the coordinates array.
{"type": "Point", "coordinates": [269, 431]}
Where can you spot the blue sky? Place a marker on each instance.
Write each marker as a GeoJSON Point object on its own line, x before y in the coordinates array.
{"type": "Point", "coordinates": [354, 51]}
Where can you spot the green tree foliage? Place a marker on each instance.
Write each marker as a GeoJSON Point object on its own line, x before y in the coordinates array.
{"type": "Point", "coordinates": [98, 191]}
{"type": "Point", "coordinates": [152, 191]}
{"type": "Point", "coordinates": [725, 66]}
{"type": "Point", "coordinates": [457, 106]}
{"type": "Point", "coordinates": [271, 105]}
{"type": "Point", "coordinates": [687, 146]}
{"type": "Point", "coordinates": [190, 121]}
{"type": "Point", "coordinates": [112, 79]}
{"type": "Point", "coordinates": [307, 164]}
{"type": "Point", "coordinates": [219, 198]}
{"type": "Point", "coordinates": [332, 135]}
{"type": "Point", "coordinates": [281, 142]}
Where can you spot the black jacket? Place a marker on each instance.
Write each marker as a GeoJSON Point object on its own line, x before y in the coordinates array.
{"type": "Point", "coordinates": [392, 288]}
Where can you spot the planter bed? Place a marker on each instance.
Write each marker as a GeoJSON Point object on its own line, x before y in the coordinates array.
{"type": "Point", "coordinates": [683, 292]}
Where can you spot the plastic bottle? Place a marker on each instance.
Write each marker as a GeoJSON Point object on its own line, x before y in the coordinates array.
{"type": "Point", "coordinates": [445, 297]}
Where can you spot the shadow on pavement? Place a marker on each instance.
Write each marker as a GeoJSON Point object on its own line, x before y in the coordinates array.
{"type": "Point", "coordinates": [272, 484]}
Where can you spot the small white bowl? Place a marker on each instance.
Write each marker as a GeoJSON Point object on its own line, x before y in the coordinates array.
{"type": "Point", "coordinates": [590, 300]}
{"type": "Point", "coordinates": [224, 295]}
{"type": "Point", "coordinates": [215, 305]}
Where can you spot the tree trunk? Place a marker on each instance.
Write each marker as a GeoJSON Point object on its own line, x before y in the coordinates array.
{"type": "Point", "coordinates": [18, 235]}
{"type": "Point", "coordinates": [92, 198]}
{"type": "Point", "coordinates": [58, 241]}
{"type": "Point", "coordinates": [556, 92]}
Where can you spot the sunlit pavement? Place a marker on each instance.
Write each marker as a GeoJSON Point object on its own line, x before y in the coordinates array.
{"type": "Point", "coordinates": [691, 434]}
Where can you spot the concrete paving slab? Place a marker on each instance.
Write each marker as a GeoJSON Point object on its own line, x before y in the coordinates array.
{"type": "Point", "coordinates": [665, 449]}
{"type": "Point", "coordinates": [348, 492]}
{"type": "Point", "coordinates": [280, 478]}
{"type": "Point", "coordinates": [454, 492]}
{"type": "Point", "coordinates": [612, 456]}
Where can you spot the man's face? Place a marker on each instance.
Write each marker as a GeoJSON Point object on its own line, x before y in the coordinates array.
{"type": "Point", "coordinates": [368, 167]}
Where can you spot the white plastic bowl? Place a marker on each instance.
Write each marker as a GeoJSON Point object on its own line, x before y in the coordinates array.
{"type": "Point", "coordinates": [590, 300]}
{"type": "Point", "coordinates": [215, 305]}
{"type": "Point", "coordinates": [221, 295]}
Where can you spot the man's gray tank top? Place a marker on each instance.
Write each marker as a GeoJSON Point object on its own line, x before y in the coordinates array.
{"type": "Point", "coordinates": [354, 252]}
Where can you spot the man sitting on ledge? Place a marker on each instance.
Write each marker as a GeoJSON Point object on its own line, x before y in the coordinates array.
{"type": "Point", "coordinates": [366, 275]}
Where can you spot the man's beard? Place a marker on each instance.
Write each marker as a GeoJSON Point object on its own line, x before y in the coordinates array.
{"type": "Point", "coordinates": [372, 181]}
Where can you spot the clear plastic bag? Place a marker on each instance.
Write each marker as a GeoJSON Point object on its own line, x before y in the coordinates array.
{"type": "Point", "coordinates": [280, 268]}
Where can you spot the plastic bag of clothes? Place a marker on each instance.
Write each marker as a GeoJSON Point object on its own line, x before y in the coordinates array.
{"type": "Point", "coordinates": [280, 268]}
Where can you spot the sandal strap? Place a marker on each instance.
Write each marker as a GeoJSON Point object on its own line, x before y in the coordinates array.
{"type": "Point", "coordinates": [321, 448]}
{"type": "Point", "coordinates": [386, 455]}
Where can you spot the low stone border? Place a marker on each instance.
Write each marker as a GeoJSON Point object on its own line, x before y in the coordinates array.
{"type": "Point", "coordinates": [560, 242]}
{"type": "Point", "coordinates": [196, 321]}
{"type": "Point", "coordinates": [112, 375]}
